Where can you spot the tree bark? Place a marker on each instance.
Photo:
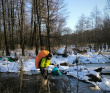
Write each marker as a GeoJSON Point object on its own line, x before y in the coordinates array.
{"type": "Point", "coordinates": [22, 26]}
{"type": "Point", "coordinates": [31, 35]}
{"type": "Point", "coordinates": [35, 30]}
{"type": "Point", "coordinates": [5, 27]}
{"type": "Point", "coordinates": [12, 23]}
{"type": "Point", "coordinates": [39, 21]}
{"type": "Point", "coordinates": [48, 30]}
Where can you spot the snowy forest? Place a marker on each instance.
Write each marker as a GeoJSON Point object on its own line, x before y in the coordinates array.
{"type": "Point", "coordinates": [23, 24]}
{"type": "Point", "coordinates": [31, 23]}
{"type": "Point", "coordinates": [81, 55]}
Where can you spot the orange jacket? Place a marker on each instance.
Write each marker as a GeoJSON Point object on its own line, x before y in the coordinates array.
{"type": "Point", "coordinates": [40, 55]}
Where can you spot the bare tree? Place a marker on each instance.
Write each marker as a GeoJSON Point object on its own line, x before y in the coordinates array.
{"type": "Point", "coordinates": [12, 24]}
{"type": "Point", "coordinates": [22, 26]}
{"type": "Point", "coordinates": [5, 26]}
{"type": "Point", "coordinates": [0, 27]}
{"type": "Point", "coordinates": [32, 10]}
{"type": "Point", "coordinates": [81, 27]}
{"type": "Point", "coordinates": [48, 29]}
{"type": "Point", "coordinates": [66, 31]}
{"type": "Point", "coordinates": [96, 16]}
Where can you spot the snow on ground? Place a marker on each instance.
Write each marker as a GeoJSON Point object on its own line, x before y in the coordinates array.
{"type": "Point", "coordinates": [82, 75]}
{"type": "Point", "coordinates": [7, 66]}
{"type": "Point", "coordinates": [86, 58]}
{"type": "Point", "coordinates": [92, 58]}
{"type": "Point", "coordinates": [104, 85]}
{"type": "Point", "coordinates": [60, 51]}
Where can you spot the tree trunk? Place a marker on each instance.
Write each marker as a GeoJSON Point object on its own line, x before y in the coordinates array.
{"type": "Point", "coordinates": [22, 26]}
{"type": "Point", "coordinates": [48, 30]}
{"type": "Point", "coordinates": [35, 30]}
{"type": "Point", "coordinates": [39, 21]}
{"type": "Point", "coordinates": [5, 27]}
{"type": "Point", "coordinates": [31, 35]}
{"type": "Point", "coordinates": [12, 22]}
{"type": "Point", "coordinates": [0, 36]}
{"type": "Point", "coordinates": [19, 22]}
{"type": "Point", "coordinates": [9, 24]}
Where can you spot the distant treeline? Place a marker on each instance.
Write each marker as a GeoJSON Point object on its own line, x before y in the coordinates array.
{"type": "Point", "coordinates": [92, 30]}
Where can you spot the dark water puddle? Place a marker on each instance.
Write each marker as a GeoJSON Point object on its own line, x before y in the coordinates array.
{"type": "Point", "coordinates": [10, 83]}
{"type": "Point", "coordinates": [30, 84]}
{"type": "Point", "coordinates": [105, 73]}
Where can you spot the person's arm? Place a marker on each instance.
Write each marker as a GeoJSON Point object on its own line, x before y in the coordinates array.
{"type": "Point", "coordinates": [51, 63]}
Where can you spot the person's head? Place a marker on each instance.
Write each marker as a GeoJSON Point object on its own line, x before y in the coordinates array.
{"type": "Point", "coordinates": [49, 56]}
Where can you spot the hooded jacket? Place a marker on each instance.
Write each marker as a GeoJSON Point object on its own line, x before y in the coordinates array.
{"type": "Point", "coordinates": [45, 62]}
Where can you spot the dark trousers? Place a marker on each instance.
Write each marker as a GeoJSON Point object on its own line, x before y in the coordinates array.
{"type": "Point", "coordinates": [44, 72]}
